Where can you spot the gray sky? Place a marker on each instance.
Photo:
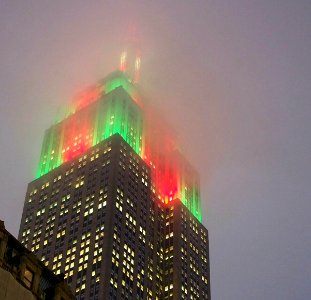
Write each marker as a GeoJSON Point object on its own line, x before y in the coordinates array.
{"type": "Point", "coordinates": [234, 77]}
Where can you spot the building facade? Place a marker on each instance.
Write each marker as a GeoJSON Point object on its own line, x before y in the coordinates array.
{"type": "Point", "coordinates": [23, 276]}
{"type": "Point", "coordinates": [115, 207]}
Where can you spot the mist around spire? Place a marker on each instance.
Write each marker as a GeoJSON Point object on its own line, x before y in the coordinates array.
{"type": "Point", "coordinates": [130, 58]}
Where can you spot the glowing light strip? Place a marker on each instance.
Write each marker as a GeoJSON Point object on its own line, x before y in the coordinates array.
{"type": "Point", "coordinates": [113, 111]}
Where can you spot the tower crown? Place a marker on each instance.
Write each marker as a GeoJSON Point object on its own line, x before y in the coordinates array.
{"type": "Point", "coordinates": [114, 105]}
{"type": "Point", "coordinates": [130, 59]}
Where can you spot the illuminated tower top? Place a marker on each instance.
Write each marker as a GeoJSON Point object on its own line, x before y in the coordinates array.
{"type": "Point", "coordinates": [130, 59]}
{"type": "Point", "coordinates": [115, 105]}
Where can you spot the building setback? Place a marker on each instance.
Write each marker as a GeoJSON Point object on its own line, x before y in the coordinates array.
{"type": "Point", "coordinates": [115, 207]}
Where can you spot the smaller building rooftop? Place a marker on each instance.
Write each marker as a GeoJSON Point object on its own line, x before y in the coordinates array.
{"type": "Point", "coordinates": [24, 276]}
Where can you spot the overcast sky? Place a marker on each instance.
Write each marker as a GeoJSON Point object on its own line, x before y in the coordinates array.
{"type": "Point", "coordinates": [233, 77]}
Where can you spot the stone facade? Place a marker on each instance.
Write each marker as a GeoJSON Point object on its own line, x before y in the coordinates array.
{"type": "Point", "coordinates": [23, 276]}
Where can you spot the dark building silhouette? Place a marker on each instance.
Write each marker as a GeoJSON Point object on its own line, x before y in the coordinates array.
{"type": "Point", "coordinates": [23, 276]}
{"type": "Point", "coordinates": [115, 207]}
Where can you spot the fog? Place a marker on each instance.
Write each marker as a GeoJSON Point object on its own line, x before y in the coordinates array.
{"type": "Point", "coordinates": [232, 78]}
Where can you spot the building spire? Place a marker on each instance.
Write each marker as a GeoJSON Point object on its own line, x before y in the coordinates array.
{"type": "Point", "coordinates": [130, 59]}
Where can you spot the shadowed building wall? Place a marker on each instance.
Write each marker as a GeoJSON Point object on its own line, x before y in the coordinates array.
{"type": "Point", "coordinates": [23, 276]}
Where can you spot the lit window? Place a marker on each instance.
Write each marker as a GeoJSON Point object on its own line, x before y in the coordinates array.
{"type": "Point", "coordinates": [28, 278]}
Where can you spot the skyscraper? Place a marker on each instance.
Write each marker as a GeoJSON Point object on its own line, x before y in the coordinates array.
{"type": "Point", "coordinates": [115, 206]}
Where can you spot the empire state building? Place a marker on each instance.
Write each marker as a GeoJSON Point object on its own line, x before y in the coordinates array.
{"type": "Point", "coordinates": [115, 207]}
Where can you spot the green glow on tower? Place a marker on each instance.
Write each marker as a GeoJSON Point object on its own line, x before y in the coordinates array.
{"type": "Point", "coordinates": [119, 114]}
{"type": "Point", "coordinates": [109, 108]}
{"type": "Point", "coordinates": [189, 192]}
{"type": "Point", "coordinates": [119, 79]}
{"type": "Point", "coordinates": [116, 112]}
